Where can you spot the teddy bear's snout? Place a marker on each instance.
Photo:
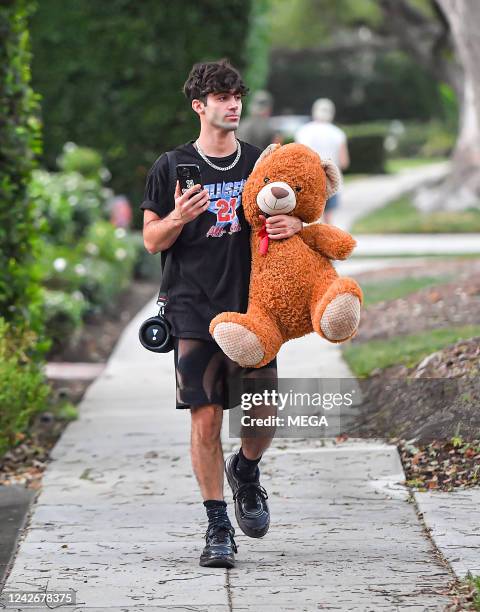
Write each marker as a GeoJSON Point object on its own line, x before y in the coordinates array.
{"type": "Point", "coordinates": [279, 192]}
{"type": "Point", "coordinates": [276, 198]}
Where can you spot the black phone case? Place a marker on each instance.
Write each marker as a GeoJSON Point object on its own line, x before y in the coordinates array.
{"type": "Point", "coordinates": [188, 175]}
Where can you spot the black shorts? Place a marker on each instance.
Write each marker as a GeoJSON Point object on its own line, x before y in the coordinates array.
{"type": "Point", "coordinates": [205, 375]}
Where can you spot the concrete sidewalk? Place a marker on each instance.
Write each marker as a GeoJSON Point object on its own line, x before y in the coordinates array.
{"type": "Point", "coordinates": [397, 245]}
{"type": "Point", "coordinates": [120, 518]}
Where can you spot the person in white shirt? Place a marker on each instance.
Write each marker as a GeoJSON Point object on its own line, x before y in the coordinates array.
{"type": "Point", "coordinates": [328, 140]}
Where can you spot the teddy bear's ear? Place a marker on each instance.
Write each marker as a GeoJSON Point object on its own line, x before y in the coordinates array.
{"type": "Point", "coordinates": [266, 152]}
{"type": "Point", "coordinates": [334, 178]}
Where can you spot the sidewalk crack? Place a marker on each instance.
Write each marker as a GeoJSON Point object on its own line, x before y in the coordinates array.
{"type": "Point", "coordinates": [229, 590]}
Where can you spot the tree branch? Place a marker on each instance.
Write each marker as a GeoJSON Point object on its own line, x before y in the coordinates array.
{"type": "Point", "coordinates": [428, 40]}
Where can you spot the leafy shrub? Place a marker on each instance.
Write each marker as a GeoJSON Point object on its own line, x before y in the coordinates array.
{"type": "Point", "coordinates": [64, 315]}
{"type": "Point", "coordinates": [439, 143]}
{"type": "Point", "coordinates": [62, 267]}
{"type": "Point", "coordinates": [109, 260]}
{"type": "Point", "coordinates": [111, 244]}
{"type": "Point", "coordinates": [85, 260]}
{"type": "Point", "coordinates": [102, 283]}
{"type": "Point", "coordinates": [413, 139]}
{"type": "Point", "coordinates": [83, 160]}
{"type": "Point", "coordinates": [99, 266]}
{"type": "Point", "coordinates": [67, 203]}
{"type": "Point", "coordinates": [23, 391]}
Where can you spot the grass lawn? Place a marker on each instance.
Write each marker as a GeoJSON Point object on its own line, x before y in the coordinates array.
{"type": "Point", "coordinates": [404, 163]}
{"type": "Point", "coordinates": [348, 178]}
{"type": "Point", "coordinates": [393, 289]}
{"type": "Point", "coordinates": [474, 583]}
{"type": "Point", "coordinates": [400, 216]}
{"type": "Point", "coordinates": [365, 357]}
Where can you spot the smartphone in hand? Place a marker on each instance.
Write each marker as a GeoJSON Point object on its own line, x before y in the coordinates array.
{"type": "Point", "coordinates": [188, 175]}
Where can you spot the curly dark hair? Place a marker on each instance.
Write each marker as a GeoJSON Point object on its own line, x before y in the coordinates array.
{"type": "Point", "coordinates": [213, 77]}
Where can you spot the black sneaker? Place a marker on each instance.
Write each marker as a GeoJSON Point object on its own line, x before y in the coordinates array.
{"type": "Point", "coordinates": [251, 508]}
{"type": "Point", "coordinates": [220, 547]}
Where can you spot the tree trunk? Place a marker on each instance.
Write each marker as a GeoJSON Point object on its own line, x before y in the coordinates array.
{"type": "Point", "coordinates": [461, 189]}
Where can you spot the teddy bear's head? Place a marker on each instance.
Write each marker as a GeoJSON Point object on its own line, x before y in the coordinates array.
{"type": "Point", "coordinates": [292, 179]}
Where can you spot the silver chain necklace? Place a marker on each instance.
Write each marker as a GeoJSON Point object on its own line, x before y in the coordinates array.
{"type": "Point", "coordinates": [206, 160]}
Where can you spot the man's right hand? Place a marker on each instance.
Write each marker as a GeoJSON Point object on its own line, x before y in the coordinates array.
{"type": "Point", "coordinates": [190, 204]}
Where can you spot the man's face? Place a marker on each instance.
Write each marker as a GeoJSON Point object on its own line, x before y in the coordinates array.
{"type": "Point", "coordinates": [222, 110]}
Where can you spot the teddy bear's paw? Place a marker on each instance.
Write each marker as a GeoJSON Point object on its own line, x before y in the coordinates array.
{"type": "Point", "coordinates": [239, 343]}
{"type": "Point", "coordinates": [341, 317]}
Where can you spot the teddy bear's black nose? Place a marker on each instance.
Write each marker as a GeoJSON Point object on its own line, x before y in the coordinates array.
{"type": "Point", "coordinates": [279, 192]}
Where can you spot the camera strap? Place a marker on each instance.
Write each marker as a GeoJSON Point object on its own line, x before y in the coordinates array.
{"type": "Point", "coordinates": [166, 256]}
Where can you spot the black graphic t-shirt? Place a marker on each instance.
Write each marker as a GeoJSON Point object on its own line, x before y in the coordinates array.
{"type": "Point", "coordinates": [210, 268]}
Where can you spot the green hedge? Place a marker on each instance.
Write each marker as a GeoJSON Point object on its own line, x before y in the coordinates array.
{"type": "Point", "coordinates": [120, 67]}
{"type": "Point", "coordinates": [430, 139]}
{"type": "Point", "coordinates": [23, 343]}
{"type": "Point", "coordinates": [367, 85]}
{"type": "Point", "coordinates": [408, 138]}
{"type": "Point", "coordinates": [367, 154]}
{"type": "Point", "coordinates": [20, 142]}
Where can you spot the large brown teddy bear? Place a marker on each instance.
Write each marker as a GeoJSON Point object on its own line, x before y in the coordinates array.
{"type": "Point", "coordinates": [294, 288]}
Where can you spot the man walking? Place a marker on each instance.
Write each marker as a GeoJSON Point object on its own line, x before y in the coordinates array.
{"type": "Point", "coordinates": [328, 140]}
{"type": "Point", "coordinates": [256, 128]}
{"type": "Point", "coordinates": [210, 267]}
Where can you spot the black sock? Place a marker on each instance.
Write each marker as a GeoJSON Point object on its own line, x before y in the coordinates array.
{"type": "Point", "coordinates": [216, 509]}
{"type": "Point", "coordinates": [246, 468]}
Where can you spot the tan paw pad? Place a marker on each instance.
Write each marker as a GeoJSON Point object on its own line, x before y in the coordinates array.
{"type": "Point", "coordinates": [239, 343]}
{"type": "Point", "coordinates": [341, 317]}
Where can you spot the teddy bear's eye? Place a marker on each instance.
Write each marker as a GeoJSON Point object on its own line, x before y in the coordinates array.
{"type": "Point", "coordinates": [298, 189]}
{"type": "Point", "coordinates": [266, 179]}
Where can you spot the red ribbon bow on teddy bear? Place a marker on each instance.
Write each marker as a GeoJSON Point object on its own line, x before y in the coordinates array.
{"type": "Point", "coordinates": [262, 234]}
